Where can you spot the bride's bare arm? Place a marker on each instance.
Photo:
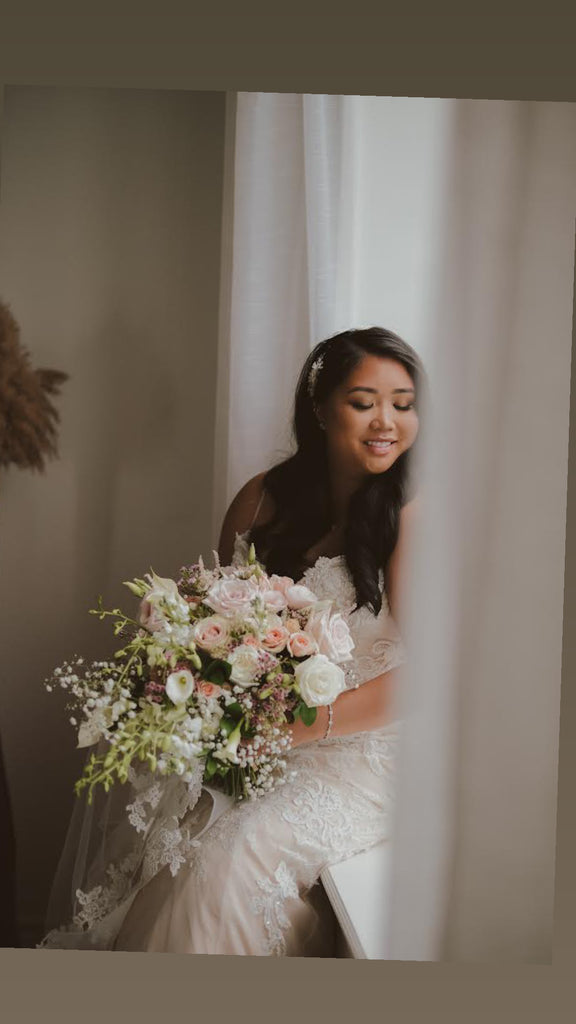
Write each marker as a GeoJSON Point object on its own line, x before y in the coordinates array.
{"type": "Point", "coordinates": [371, 705]}
{"type": "Point", "coordinates": [240, 515]}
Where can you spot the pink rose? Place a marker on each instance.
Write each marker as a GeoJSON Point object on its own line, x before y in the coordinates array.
{"type": "Point", "coordinates": [299, 596]}
{"type": "Point", "coordinates": [150, 617]}
{"type": "Point", "coordinates": [275, 639]}
{"type": "Point", "coordinates": [230, 596]}
{"type": "Point", "coordinates": [332, 635]}
{"type": "Point", "coordinates": [251, 641]}
{"type": "Point", "coordinates": [211, 632]}
{"type": "Point", "coordinates": [274, 600]}
{"type": "Point", "coordinates": [301, 645]}
{"type": "Point", "coordinates": [281, 583]}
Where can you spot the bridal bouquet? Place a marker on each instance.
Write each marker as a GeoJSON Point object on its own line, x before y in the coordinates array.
{"type": "Point", "coordinates": [215, 666]}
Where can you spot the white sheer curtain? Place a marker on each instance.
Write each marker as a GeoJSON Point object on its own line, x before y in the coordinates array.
{"type": "Point", "coordinates": [475, 830]}
{"type": "Point", "coordinates": [332, 213]}
{"type": "Point", "coordinates": [451, 222]}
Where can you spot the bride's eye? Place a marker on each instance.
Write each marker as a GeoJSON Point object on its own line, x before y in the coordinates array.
{"type": "Point", "coordinates": [358, 405]}
{"type": "Point", "coordinates": [404, 408]}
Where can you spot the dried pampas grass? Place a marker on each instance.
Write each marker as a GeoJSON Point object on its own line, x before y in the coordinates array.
{"type": "Point", "coordinates": [28, 417]}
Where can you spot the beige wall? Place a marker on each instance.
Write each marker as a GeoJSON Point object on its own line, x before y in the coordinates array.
{"type": "Point", "coordinates": [110, 214]}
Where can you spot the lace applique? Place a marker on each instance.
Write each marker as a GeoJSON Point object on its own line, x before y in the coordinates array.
{"type": "Point", "coordinates": [384, 655]}
{"type": "Point", "coordinates": [168, 846]}
{"type": "Point", "coordinates": [275, 891]}
{"type": "Point", "coordinates": [329, 578]}
{"type": "Point", "coordinates": [322, 819]}
{"type": "Point", "coordinates": [149, 790]}
{"type": "Point", "coordinates": [380, 753]}
{"type": "Point", "coordinates": [102, 900]}
{"type": "Point", "coordinates": [147, 793]}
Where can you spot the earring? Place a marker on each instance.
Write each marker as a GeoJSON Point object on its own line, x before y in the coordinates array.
{"type": "Point", "coordinates": [321, 425]}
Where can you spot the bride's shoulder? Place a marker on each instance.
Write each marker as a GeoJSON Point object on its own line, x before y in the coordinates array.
{"type": "Point", "coordinates": [253, 505]}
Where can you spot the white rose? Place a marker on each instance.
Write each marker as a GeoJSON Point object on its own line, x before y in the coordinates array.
{"type": "Point", "coordinates": [230, 597]}
{"type": "Point", "coordinates": [245, 663]}
{"type": "Point", "coordinates": [319, 680]}
{"type": "Point", "coordinates": [332, 635]}
{"type": "Point", "coordinates": [299, 596]}
{"type": "Point", "coordinates": [180, 686]}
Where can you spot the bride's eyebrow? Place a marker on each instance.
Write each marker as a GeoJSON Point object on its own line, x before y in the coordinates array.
{"type": "Point", "coordinates": [374, 391]}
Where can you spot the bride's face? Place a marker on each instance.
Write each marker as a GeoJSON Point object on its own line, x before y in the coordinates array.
{"type": "Point", "coordinates": [370, 417]}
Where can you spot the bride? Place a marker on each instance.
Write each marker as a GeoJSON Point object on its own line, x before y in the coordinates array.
{"type": "Point", "coordinates": [337, 516]}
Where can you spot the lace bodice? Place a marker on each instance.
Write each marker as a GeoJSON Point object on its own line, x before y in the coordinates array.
{"type": "Point", "coordinates": [378, 646]}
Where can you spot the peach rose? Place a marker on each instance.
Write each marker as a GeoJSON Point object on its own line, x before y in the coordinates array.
{"type": "Point", "coordinates": [301, 645]}
{"type": "Point", "coordinates": [211, 632]}
{"type": "Point", "coordinates": [292, 625]}
{"type": "Point", "coordinates": [208, 689]}
{"type": "Point", "coordinates": [275, 639]}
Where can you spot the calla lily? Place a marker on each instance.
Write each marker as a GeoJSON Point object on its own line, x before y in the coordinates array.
{"type": "Point", "coordinates": [229, 752]}
{"type": "Point", "coordinates": [180, 686]}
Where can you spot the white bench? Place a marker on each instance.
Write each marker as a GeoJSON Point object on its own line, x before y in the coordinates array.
{"type": "Point", "coordinates": [358, 889]}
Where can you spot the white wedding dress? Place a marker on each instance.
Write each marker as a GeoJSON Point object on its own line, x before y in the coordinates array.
{"type": "Point", "coordinates": [250, 885]}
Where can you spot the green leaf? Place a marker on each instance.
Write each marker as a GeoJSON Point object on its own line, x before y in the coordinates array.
{"type": "Point", "coordinates": [235, 710]}
{"type": "Point", "coordinates": [211, 767]}
{"type": "Point", "coordinates": [227, 725]}
{"type": "Point", "coordinates": [308, 715]}
{"type": "Point", "coordinates": [217, 671]}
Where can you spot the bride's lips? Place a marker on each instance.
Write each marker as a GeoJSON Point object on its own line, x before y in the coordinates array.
{"type": "Point", "coordinates": [379, 447]}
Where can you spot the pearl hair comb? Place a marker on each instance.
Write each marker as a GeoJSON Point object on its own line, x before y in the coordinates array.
{"type": "Point", "coordinates": [313, 374]}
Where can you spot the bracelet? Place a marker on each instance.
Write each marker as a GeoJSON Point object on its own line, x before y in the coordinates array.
{"type": "Point", "coordinates": [329, 726]}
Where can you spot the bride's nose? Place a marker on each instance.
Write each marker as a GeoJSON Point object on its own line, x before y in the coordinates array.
{"type": "Point", "coordinates": [383, 418]}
